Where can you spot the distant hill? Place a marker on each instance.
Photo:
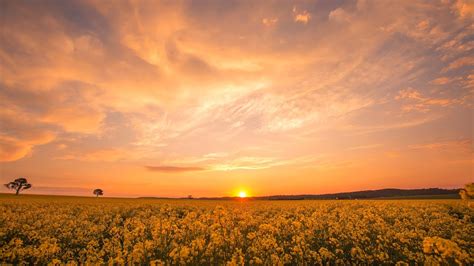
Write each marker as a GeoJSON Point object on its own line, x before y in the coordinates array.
{"type": "Point", "coordinates": [425, 193]}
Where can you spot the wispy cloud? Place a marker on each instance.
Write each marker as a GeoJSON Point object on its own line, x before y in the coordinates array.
{"type": "Point", "coordinates": [458, 63]}
{"type": "Point", "coordinates": [449, 145]}
{"type": "Point", "coordinates": [339, 15]}
{"type": "Point", "coordinates": [418, 102]}
{"type": "Point", "coordinates": [365, 147]}
{"type": "Point", "coordinates": [174, 169]}
{"type": "Point", "coordinates": [269, 21]}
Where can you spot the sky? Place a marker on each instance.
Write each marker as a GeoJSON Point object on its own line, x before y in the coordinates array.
{"type": "Point", "coordinates": [207, 98]}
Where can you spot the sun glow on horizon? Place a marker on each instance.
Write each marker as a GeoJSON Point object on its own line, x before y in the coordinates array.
{"type": "Point", "coordinates": [242, 194]}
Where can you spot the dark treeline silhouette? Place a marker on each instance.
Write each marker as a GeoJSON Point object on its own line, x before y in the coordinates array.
{"type": "Point", "coordinates": [366, 194]}
{"type": "Point", "coordinates": [372, 194]}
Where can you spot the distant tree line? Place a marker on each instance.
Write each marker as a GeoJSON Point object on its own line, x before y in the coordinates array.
{"type": "Point", "coordinates": [465, 193]}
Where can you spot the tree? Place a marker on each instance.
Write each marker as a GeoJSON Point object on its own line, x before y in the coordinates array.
{"type": "Point", "coordinates": [18, 185]}
{"type": "Point", "coordinates": [98, 192]}
{"type": "Point", "coordinates": [467, 192]}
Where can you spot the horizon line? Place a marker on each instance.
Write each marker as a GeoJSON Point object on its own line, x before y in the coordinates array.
{"type": "Point", "coordinates": [233, 196]}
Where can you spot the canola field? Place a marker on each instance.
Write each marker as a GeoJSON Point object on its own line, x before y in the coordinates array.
{"type": "Point", "coordinates": [75, 230]}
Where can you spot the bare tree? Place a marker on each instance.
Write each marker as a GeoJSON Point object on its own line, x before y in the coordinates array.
{"type": "Point", "coordinates": [18, 185]}
{"type": "Point", "coordinates": [98, 192]}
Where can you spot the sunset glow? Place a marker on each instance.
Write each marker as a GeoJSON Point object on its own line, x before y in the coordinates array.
{"type": "Point", "coordinates": [178, 98]}
{"type": "Point", "coordinates": [242, 194]}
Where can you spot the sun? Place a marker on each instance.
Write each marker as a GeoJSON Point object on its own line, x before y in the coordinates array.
{"type": "Point", "coordinates": [242, 194]}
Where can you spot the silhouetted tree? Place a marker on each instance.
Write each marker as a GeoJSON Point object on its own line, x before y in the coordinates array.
{"type": "Point", "coordinates": [190, 196]}
{"type": "Point", "coordinates": [18, 185]}
{"type": "Point", "coordinates": [98, 192]}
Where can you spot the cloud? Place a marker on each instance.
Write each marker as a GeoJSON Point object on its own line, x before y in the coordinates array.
{"type": "Point", "coordinates": [269, 21]}
{"type": "Point", "coordinates": [301, 16]}
{"type": "Point", "coordinates": [339, 15]}
{"type": "Point", "coordinates": [448, 145]}
{"type": "Point", "coordinates": [465, 8]}
{"type": "Point", "coordinates": [417, 102]}
{"type": "Point", "coordinates": [387, 122]}
{"type": "Point", "coordinates": [458, 63]}
{"type": "Point", "coordinates": [365, 147]}
{"type": "Point", "coordinates": [441, 81]}
{"type": "Point", "coordinates": [247, 163]}
{"type": "Point", "coordinates": [174, 169]}
{"type": "Point", "coordinates": [19, 135]}
{"type": "Point", "coordinates": [14, 149]}
{"type": "Point", "coordinates": [101, 155]}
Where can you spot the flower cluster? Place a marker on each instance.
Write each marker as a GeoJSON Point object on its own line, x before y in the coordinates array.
{"type": "Point", "coordinates": [37, 230]}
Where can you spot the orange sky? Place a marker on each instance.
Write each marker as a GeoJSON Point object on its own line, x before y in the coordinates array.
{"type": "Point", "coordinates": [143, 98]}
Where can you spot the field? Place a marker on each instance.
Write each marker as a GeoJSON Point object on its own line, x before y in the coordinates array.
{"type": "Point", "coordinates": [76, 230]}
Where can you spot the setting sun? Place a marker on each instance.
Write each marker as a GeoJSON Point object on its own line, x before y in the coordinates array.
{"type": "Point", "coordinates": [242, 194]}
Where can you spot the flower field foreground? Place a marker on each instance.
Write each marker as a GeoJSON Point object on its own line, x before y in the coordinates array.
{"type": "Point", "coordinates": [74, 230]}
